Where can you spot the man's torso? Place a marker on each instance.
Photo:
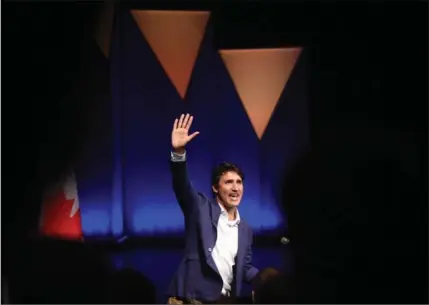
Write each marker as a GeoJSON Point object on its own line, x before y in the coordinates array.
{"type": "Point", "coordinates": [212, 250]}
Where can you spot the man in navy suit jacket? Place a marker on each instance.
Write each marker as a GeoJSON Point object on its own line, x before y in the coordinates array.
{"type": "Point", "coordinates": [218, 252]}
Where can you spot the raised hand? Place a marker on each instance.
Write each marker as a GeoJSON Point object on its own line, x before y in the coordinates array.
{"type": "Point", "coordinates": [180, 134]}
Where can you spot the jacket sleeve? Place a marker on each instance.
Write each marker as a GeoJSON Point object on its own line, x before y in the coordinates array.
{"type": "Point", "coordinates": [249, 270]}
{"type": "Point", "coordinates": [186, 195]}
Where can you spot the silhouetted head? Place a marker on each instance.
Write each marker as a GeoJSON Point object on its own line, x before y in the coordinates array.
{"type": "Point", "coordinates": [270, 287]}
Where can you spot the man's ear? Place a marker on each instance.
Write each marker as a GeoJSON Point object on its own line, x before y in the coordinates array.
{"type": "Point", "coordinates": [214, 189]}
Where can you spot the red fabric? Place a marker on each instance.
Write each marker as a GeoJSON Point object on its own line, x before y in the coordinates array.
{"type": "Point", "coordinates": [56, 221]}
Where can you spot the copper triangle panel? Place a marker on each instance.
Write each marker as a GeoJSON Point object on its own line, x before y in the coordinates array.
{"type": "Point", "coordinates": [260, 76]}
{"type": "Point", "coordinates": [175, 38]}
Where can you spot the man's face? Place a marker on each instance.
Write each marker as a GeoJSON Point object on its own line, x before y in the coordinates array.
{"type": "Point", "coordinates": [230, 189]}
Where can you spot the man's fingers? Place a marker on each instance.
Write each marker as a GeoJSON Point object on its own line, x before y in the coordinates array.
{"type": "Point", "coordinates": [175, 124]}
{"type": "Point", "coordinates": [180, 124]}
{"type": "Point", "coordinates": [185, 121]}
{"type": "Point", "coordinates": [194, 135]}
{"type": "Point", "coordinates": [189, 123]}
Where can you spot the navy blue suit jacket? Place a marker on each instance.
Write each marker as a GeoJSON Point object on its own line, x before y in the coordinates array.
{"type": "Point", "coordinates": [197, 276]}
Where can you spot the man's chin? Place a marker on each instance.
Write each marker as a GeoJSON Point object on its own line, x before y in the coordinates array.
{"type": "Point", "coordinates": [233, 204]}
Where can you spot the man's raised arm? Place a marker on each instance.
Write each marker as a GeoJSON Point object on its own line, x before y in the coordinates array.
{"type": "Point", "coordinates": [185, 194]}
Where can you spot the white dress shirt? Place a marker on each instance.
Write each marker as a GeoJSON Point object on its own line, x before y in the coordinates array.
{"type": "Point", "coordinates": [226, 246]}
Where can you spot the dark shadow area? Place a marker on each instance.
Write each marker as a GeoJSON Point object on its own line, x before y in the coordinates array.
{"type": "Point", "coordinates": [59, 272]}
{"type": "Point", "coordinates": [356, 203]}
{"type": "Point", "coordinates": [47, 52]}
{"type": "Point", "coordinates": [46, 49]}
{"type": "Point", "coordinates": [131, 287]}
{"type": "Point", "coordinates": [354, 235]}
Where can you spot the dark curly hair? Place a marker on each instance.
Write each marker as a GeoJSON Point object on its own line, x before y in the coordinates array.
{"type": "Point", "coordinates": [222, 169]}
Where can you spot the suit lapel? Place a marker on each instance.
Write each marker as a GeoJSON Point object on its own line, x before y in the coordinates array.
{"type": "Point", "coordinates": [241, 253]}
{"type": "Point", "coordinates": [242, 241]}
{"type": "Point", "coordinates": [214, 215]}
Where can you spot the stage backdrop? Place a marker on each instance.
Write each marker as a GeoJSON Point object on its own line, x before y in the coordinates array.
{"type": "Point", "coordinates": [250, 107]}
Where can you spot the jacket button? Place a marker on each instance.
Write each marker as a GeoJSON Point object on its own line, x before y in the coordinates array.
{"type": "Point", "coordinates": [210, 249]}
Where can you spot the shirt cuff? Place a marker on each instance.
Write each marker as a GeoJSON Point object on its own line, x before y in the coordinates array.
{"type": "Point", "coordinates": [175, 157]}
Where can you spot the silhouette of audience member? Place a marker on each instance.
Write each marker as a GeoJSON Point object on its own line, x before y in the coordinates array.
{"type": "Point", "coordinates": [270, 287]}
{"type": "Point", "coordinates": [61, 272]}
{"type": "Point", "coordinates": [346, 206]}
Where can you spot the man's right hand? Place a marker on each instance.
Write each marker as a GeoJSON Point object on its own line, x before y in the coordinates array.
{"type": "Point", "coordinates": [180, 134]}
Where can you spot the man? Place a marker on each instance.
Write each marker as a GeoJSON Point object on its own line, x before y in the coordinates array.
{"type": "Point", "coordinates": [218, 252]}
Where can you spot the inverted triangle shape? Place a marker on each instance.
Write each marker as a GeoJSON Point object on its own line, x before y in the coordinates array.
{"type": "Point", "coordinates": [260, 76]}
{"type": "Point", "coordinates": [104, 26]}
{"type": "Point", "coordinates": [175, 37]}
